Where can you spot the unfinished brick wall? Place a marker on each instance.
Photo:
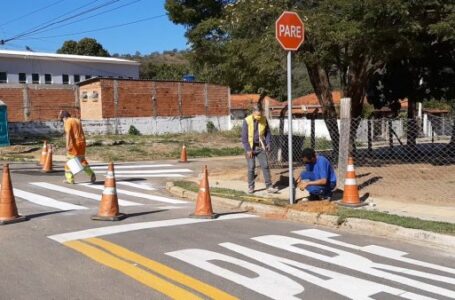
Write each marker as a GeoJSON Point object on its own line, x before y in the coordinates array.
{"type": "Point", "coordinates": [38, 103]}
{"type": "Point", "coordinates": [144, 98]}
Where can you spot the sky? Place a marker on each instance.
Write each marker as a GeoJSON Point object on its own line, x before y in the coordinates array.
{"type": "Point", "coordinates": [43, 25]}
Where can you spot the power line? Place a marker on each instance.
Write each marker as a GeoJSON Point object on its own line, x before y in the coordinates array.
{"type": "Point", "coordinates": [32, 12]}
{"type": "Point", "coordinates": [99, 29]}
{"type": "Point", "coordinates": [60, 21]}
{"type": "Point", "coordinates": [92, 16]}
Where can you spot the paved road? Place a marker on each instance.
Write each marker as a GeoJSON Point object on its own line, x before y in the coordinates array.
{"type": "Point", "coordinates": [160, 253]}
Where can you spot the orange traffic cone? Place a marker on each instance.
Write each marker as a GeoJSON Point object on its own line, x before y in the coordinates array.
{"type": "Point", "coordinates": [204, 202]}
{"type": "Point", "coordinates": [47, 167]}
{"type": "Point", "coordinates": [8, 208]}
{"type": "Point", "coordinates": [43, 154]}
{"type": "Point", "coordinates": [351, 191]}
{"type": "Point", "coordinates": [109, 210]}
{"type": "Point", "coordinates": [183, 156]}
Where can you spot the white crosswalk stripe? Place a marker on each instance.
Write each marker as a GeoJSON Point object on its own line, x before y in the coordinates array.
{"type": "Point", "coordinates": [149, 175]}
{"type": "Point", "coordinates": [167, 171]}
{"type": "Point", "coordinates": [46, 201]}
{"type": "Point", "coordinates": [83, 194]}
{"type": "Point", "coordinates": [142, 186]}
{"type": "Point", "coordinates": [104, 167]}
{"type": "Point", "coordinates": [137, 194]}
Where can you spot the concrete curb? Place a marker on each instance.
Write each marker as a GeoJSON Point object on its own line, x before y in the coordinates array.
{"type": "Point", "coordinates": [436, 240]}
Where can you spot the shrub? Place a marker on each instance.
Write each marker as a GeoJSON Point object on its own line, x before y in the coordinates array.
{"type": "Point", "coordinates": [211, 127]}
{"type": "Point", "coordinates": [133, 131]}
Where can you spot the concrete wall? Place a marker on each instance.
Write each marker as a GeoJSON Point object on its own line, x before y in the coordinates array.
{"type": "Point", "coordinates": [147, 126]}
{"type": "Point", "coordinates": [30, 65]}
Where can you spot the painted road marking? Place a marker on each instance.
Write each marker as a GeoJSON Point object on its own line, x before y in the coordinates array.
{"type": "Point", "coordinates": [46, 201]}
{"type": "Point", "coordinates": [167, 171]}
{"type": "Point", "coordinates": [108, 230]}
{"type": "Point", "coordinates": [104, 167]}
{"type": "Point", "coordinates": [326, 236]}
{"type": "Point", "coordinates": [136, 194]}
{"type": "Point", "coordinates": [171, 290]}
{"type": "Point", "coordinates": [159, 268]}
{"type": "Point", "coordinates": [142, 186]}
{"type": "Point", "coordinates": [92, 196]}
{"type": "Point", "coordinates": [149, 175]}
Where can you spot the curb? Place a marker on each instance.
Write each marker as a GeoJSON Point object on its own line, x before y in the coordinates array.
{"type": "Point", "coordinates": [363, 226]}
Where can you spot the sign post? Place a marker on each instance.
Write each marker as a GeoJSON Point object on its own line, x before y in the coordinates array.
{"type": "Point", "coordinates": [289, 31]}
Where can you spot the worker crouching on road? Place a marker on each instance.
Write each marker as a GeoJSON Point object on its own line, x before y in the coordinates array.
{"type": "Point", "coordinates": [75, 145]}
{"type": "Point", "coordinates": [319, 178]}
{"type": "Point", "coordinates": [256, 139]}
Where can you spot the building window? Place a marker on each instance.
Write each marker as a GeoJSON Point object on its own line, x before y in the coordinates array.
{"type": "Point", "coordinates": [88, 77]}
{"type": "Point", "coordinates": [77, 78]}
{"type": "Point", "coordinates": [3, 77]}
{"type": "Point", "coordinates": [22, 78]}
{"type": "Point", "coordinates": [65, 79]}
{"type": "Point", "coordinates": [35, 78]}
{"type": "Point", "coordinates": [47, 78]}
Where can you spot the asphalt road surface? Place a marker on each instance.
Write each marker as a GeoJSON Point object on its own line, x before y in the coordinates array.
{"type": "Point", "coordinates": [158, 252]}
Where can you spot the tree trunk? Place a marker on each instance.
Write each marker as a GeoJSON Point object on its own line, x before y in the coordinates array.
{"type": "Point", "coordinates": [321, 85]}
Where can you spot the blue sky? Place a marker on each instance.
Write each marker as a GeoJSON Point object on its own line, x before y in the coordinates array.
{"type": "Point", "coordinates": [157, 33]}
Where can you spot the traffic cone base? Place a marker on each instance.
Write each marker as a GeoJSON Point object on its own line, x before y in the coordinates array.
{"type": "Point", "coordinates": [211, 216]}
{"type": "Point", "coordinates": [14, 220]}
{"type": "Point", "coordinates": [109, 208]}
{"type": "Point", "coordinates": [341, 203]}
{"type": "Point", "coordinates": [118, 217]}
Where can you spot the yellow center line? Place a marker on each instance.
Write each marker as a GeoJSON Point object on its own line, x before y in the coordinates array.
{"type": "Point", "coordinates": [161, 269]}
{"type": "Point", "coordinates": [171, 290]}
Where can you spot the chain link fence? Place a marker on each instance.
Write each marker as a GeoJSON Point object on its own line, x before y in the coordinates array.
{"type": "Point", "coordinates": [395, 158]}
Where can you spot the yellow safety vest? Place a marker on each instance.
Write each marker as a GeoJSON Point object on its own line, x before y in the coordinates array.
{"type": "Point", "coordinates": [261, 128]}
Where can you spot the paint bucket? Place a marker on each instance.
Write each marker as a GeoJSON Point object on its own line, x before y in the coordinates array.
{"type": "Point", "coordinates": [75, 165]}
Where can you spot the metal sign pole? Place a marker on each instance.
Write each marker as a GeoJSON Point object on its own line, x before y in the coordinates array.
{"type": "Point", "coordinates": [291, 176]}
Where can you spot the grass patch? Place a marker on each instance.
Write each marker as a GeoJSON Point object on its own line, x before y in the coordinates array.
{"type": "Point", "coordinates": [230, 194]}
{"type": "Point", "coordinates": [407, 222]}
{"type": "Point", "coordinates": [212, 152]}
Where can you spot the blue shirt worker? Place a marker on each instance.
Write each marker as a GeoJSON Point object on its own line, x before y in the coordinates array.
{"type": "Point", "coordinates": [256, 140]}
{"type": "Point", "coordinates": [319, 178]}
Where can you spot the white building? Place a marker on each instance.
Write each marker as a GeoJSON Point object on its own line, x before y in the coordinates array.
{"type": "Point", "coordinates": [50, 68]}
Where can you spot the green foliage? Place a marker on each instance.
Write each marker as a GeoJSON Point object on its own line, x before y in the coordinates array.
{"type": "Point", "coordinates": [442, 104]}
{"type": "Point", "coordinates": [133, 130]}
{"type": "Point", "coordinates": [86, 46]}
{"type": "Point", "coordinates": [211, 128]}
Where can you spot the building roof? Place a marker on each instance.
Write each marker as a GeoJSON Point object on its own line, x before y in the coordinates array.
{"type": "Point", "coordinates": [312, 99]}
{"type": "Point", "coordinates": [244, 101]}
{"type": "Point", "coordinates": [65, 57]}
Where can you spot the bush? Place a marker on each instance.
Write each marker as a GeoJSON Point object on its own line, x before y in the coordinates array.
{"type": "Point", "coordinates": [133, 131]}
{"type": "Point", "coordinates": [211, 127]}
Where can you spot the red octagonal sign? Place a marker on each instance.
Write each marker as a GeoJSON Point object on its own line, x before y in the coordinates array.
{"type": "Point", "coordinates": [289, 31]}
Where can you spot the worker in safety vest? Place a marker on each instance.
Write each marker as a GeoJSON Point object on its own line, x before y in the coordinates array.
{"type": "Point", "coordinates": [75, 145]}
{"type": "Point", "coordinates": [256, 139]}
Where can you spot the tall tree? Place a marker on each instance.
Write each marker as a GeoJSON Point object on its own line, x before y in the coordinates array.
{"type": "Point", "coordinates": [85, 46]}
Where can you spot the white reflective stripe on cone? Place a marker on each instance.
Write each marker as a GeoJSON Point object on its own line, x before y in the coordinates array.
{"type": "Point", "coordinates": [350, 168]}
{"type": "Point", "coordinates": [350, 181]}
{"type": "Point", "coordinates": [109, 191]}
{"type": "Point", "coordinates": [109, 173]}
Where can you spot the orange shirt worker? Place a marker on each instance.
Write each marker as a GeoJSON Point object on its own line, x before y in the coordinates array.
{"type": "Point", "coordinates": [75, 145]}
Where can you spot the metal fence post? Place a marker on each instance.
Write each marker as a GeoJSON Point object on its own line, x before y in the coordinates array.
{"type": "Point", "coordinates": [345, 130]}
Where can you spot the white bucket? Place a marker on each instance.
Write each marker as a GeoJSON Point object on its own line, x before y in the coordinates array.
{"type": "Point", "coordinates": [75, 165]}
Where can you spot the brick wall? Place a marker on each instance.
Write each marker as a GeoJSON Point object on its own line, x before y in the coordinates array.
{"type": "Point", "coordinates": [38, 103]}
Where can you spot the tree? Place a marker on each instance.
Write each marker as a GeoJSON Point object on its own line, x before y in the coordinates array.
{"type": "Point", "coordinates": [86, 46]}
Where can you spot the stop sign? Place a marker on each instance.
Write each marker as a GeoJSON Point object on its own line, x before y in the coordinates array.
{"type": "Point", "coordinates": [289, 31]}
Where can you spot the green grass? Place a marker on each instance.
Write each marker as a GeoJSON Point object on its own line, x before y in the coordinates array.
{"type": "Point", "coordinates": [407, 222]}
{"type": "Point", "coordinates": [230, 194]}
{"type": "Point", "coordinates": [212, 152]}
